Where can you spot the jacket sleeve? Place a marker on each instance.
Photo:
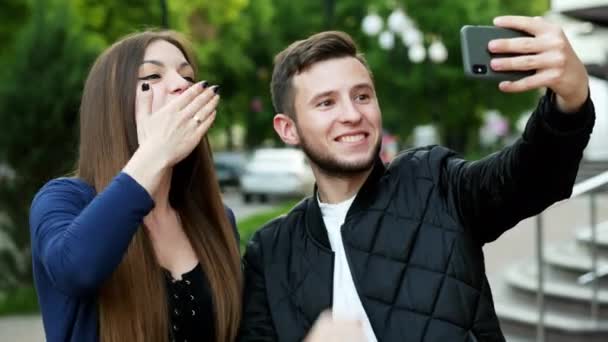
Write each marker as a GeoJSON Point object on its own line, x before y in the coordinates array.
{"type": "Point", "coordinates": [256, 323]}
{"type": "Point", "coordinates": [493, 194]}
{"type": "Point", "coordinates": [80, 237]}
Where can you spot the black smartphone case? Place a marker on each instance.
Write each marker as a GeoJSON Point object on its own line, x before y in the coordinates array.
{"type": "Point", "coordinates": [476, 56]}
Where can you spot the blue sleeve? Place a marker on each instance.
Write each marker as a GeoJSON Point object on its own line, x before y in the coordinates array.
{"type": "Point", "coordinates": [232, 220]}
{"type": "Point", "coordinates": [80, 237]}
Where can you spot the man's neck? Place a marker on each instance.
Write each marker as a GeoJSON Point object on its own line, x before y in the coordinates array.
{"type": "Point", "coordinates": [335, 189]}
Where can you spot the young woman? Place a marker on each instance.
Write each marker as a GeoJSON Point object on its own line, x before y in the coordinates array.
{"type": "Point", "coordinates": [138, 246]}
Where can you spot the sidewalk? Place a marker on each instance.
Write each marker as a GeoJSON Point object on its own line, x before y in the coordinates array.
{"type": "Point", "coordinates": [21, 329]}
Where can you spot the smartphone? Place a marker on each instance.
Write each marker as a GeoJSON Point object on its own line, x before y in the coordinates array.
{"type": "Point", "coordinates": [476, 57]}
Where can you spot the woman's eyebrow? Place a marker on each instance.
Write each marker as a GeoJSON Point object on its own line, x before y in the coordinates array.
{"type": "Point", "coordinates": [160, 64]}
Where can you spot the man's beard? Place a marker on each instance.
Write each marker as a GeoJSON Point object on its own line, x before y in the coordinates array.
{"type": "Point", "coordinates": [334, 167]}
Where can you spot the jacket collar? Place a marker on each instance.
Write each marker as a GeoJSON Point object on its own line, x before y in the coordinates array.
{"type": "Point", "coordinates": [365, 196]}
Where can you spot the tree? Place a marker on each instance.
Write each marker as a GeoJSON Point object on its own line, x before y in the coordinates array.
{"type": "Point", "coordinates": [232, 40]}
{"type": "Point", "coordinates": [39, 100]}
{"type": "Point", "coordinates": [13, 15]}
{"type": "Point", "coordinates": [413, 94]}
{"type": "Point", "coordinates": [238, 39]}
{"type": "Point", "coordinates": [104, 22]}
{"type": "Point", "coordinates": [226, 36]}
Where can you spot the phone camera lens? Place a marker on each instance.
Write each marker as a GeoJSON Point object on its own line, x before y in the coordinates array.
{"type": "Point", "coordinates": [479, 69]}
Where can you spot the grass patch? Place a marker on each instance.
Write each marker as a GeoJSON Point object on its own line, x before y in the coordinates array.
{"type": "Point", "coordinates": [22, 300]}
{"type": "Point", "coordinates": [248, 226]}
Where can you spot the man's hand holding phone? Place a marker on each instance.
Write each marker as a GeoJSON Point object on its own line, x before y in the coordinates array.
{"type": "Point", "coordinates": [548, 52]}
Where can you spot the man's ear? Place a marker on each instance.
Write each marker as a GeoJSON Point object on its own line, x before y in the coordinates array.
{"type": "Point", "coordinates": [286, 129]}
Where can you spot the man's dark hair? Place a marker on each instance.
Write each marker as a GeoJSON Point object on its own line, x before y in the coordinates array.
{"type": "Point", "coordinates": [301, 55]}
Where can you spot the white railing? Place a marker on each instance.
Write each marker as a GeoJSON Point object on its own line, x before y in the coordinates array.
{"type": "Point", "coordinates": [586, 187]}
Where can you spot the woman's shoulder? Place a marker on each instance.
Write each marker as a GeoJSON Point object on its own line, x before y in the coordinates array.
{"type": "Point", "coordinates": [65, 195]}
{"type": "Point", "coordinates": [232, 220]}
{"type": "Point", "coordinates": [230, 214]}
{"type": "Point", "coordinates": [66, 188]}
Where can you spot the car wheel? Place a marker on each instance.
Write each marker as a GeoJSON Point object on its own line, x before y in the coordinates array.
{"type": "Point", "coordinates": [247, 198]}
{"type": "Point", "coordinates": [263, 198]}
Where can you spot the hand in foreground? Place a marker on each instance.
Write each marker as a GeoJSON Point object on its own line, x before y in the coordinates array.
{"type": "Point", "coordinates": [177, 128]}
{"type": "Point", "coordinates": [326, 328]}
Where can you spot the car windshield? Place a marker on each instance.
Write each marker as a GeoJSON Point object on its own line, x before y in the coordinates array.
{"type": "Point", "coordinates": [276, 157]}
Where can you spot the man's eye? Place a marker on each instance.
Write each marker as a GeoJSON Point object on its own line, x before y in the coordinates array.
{"type": "Point", "coordinates": [325, 103]}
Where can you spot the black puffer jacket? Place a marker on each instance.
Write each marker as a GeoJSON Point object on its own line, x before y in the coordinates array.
{"type": "Point", "coordinates": [413, 238]}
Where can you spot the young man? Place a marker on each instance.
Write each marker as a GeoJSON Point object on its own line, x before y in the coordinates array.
{"type": "Point", "coordinates": [395, 253]}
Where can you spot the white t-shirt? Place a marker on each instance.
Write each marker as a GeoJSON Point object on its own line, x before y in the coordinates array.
{"type": "Point", "coordinates": [346, 301]}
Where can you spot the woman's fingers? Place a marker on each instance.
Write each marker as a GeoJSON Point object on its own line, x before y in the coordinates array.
{"type": "Point", "coordinates": [186, 97]}
{"type": "Point", "coordinates": [198, 103]}
{"type": "Point", "coordinates": [179, 131]}
{"type": "Point", "coordinates": [206, 115]}
{"type": "Point", "coordinates": [143, 106]}
{"type": "Point", "coordinates": [204, 125]}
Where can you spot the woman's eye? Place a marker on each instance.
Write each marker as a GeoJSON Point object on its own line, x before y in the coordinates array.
{"type": "Point", "coordinates": [189, 79]}
{"type": "Point", "coordinates": [150, 77]}
{"type": "Point", "coordinates": [363, 97]}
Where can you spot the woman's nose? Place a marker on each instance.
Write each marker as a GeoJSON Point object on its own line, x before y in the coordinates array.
{"type": "Point", "coordinates": [176, 83]}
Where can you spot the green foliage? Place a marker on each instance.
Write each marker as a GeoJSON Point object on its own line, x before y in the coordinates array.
{"type": "Point", "coordinates": [237, 41]}
{"type": "Point", "coordinates": [39, 100]}
{"type": "Point", "coordinates": [21, 300]}
{"type": "Point", "coordinates": [248, 226]}
{"type": "Point", "coordinates": [232, 40]}
{"type": "Point", "coordinates": [13, 15]}
{"type": "Point", "coordinates": [107, 21]}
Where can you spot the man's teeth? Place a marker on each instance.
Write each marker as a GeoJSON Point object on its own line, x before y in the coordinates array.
{"type": "Point", "coordinates": [352, 138]}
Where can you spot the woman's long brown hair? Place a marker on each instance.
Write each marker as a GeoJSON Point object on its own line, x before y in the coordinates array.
{"type": "Point", "coordinates": [132, 302]}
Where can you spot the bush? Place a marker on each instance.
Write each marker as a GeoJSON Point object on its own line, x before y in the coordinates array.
{"type": "Point", "coordinates": [22, 300]}
{"type": "Point", "coordinates": [39, 100]}
{"type": "Point", "coordinates": [248, 226]}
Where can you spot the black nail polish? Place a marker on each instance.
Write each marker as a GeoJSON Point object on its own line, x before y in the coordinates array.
{"type": "Point", "coordinates": [204, 84]}
{"type": "Point", "coordinates": [216, 89]}
{"type": "Point", "coordinates": [145, 87]}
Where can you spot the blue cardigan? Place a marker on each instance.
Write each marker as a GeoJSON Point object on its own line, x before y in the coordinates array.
{"type": "Point", "coordinates": [78, 239]}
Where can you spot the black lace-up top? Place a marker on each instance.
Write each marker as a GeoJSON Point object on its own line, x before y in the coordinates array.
{"type": "Point", "coordinates": [191, 313]}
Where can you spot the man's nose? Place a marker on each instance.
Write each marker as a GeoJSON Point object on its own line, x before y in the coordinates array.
{"type": "Point", "coordinates": [350, 113]}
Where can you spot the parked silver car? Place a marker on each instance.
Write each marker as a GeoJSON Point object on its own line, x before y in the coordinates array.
{"type": "Point", "coordinates": [229, 167]}
{"type": "Point", "coordinates": [276, 172]}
